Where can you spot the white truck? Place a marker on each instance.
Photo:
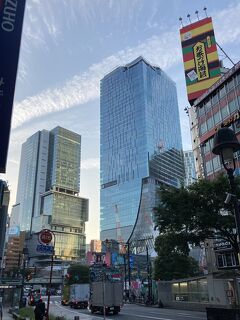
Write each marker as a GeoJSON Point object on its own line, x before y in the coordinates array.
{"type": "Point", "coordinates": [79, 296]}
{"type": "Point", "coordinates": [106, 295]}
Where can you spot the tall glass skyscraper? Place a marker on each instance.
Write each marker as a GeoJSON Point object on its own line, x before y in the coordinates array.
{"type": "Point", "coordinates": [48, 189]}
{"type": "Point", "coordinates": [140, 147]}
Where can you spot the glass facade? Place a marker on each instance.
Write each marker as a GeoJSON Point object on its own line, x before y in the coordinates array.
{"type": "Point", "coordinates": [139, 135]}
{"type": "Point", "coordinates": [49, 187]}
{"type": "Point", "coordinates": [64, 159]}
{"type": "Point", "coordinates": [32, 177]}
{"type": "Point", "coordinates": [190, 171]}
{"type": "Point", "coordinates": [192, 290]}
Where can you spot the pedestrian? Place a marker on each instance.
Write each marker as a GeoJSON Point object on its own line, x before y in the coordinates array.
{"type": "Point", "coordinates": [39, 310]}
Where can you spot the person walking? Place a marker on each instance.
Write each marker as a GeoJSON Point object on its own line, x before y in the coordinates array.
{"type": "Point", "coordinates": [39, 310]}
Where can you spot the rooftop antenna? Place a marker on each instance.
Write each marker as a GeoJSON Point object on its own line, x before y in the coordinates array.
{"type": "Point", "coordinates": [189, 18]}
{"type": "Point", "coordinates": [205, 9]}
{"type": "Point", "coordinates": [196, 12]}
{"type": "Point", "coordinates": [180, 19]}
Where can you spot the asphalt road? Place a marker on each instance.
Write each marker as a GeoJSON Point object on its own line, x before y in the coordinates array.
{"type": "Point", "coordinates": [128, 312]}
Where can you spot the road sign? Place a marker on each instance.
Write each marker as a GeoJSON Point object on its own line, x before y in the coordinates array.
{"type": "Point", "coordinates": [45, 236]}
{"type": "Point", "coordinates": [41, 248]}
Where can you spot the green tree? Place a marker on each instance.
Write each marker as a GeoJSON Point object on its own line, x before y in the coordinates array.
{"type": "Point", "coordinates": [188, 216]}
{"type": "Point", "coordinates": [77, 274]}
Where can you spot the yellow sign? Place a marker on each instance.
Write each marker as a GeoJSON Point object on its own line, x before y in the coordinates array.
{"type": "Point", "coordinates": [200, 57]}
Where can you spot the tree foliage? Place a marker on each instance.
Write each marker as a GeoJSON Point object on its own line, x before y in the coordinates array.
{"type": "Point", "coordinates": [190, 215]}
{"type": "Point", "coordinates": [175, 266]}
{"type": "Point", "coordinates": [77, 274]}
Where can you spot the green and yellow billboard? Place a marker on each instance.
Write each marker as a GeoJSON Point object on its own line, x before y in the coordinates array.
{"type": "Point", "coordinates": [200, 57]}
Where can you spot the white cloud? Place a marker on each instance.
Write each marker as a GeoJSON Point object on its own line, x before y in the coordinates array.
{"type": "Point", "coordinates": [85, 87]}
{"type": "Point", "coordinates": [163, 50]}
{"type": "Point", "coordinates": [92, 163]}
{"type": "Point", "coordinates": [226, 24]}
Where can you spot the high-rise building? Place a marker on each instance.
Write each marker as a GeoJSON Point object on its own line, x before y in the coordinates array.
{"type": "Point", "coordinates": [189, 165]}
{"type": "Point", "coordinates": [14, 248]}
{"type": "Point", "coordinates": [48, 189]}
{"type": "Point", "coordinates": [140, 147]}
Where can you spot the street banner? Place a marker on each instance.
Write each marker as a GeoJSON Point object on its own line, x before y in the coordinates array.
{"type": "Point", "coordinates": [200, 57]}
{"type": "Point", "coordinates": [11, 21]}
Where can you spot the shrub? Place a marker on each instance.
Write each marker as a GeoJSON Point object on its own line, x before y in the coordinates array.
{"type": "Point", "coordinates": [27, 313]}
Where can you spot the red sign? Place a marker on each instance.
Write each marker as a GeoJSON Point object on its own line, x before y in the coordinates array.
{"type": "Point", "coordinates": [45, 236]}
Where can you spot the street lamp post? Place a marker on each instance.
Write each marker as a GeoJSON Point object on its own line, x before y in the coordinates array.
{"type": "Point", "coordinates": [51, 272]}
{"type": "Point", "coordinates": [225, 144]}
{"type": "Point", "coordinates": [24, 257]}
{"type": "Point", "coordinates": [149, 275]}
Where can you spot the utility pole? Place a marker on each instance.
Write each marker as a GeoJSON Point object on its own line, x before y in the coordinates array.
{"type": "Point", "coordinates": [129, 270]}
{"type": "Point", "coordinates": [149, 278]}
{"type": "Point", "coordinates": [104, 290]}
{"type": "Point", "coordinates": [24, 258]}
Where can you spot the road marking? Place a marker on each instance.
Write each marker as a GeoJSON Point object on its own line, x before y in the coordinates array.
{"type": "Point", "coordinates": [145, 317]}
{"type": "Point", "coordinates": [190, 316]}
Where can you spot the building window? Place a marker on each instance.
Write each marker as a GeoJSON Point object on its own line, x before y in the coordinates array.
{"type": "Point", "coordinates": [230, 84]}
{"type": "Point", "coordinates": [203, 128]}
{"type": "Point", "coordinates": [201, 111]}
{"type": "Point", "coordinates": [216, 163]}
{"type": "Point", "coordinates": [214, 98]}
{"type": "Point", "coordinates": [210, 123]}
{"type": "Point", "coordinates": [224, 112]}
{"type": "Point", "coordinates": [208, 105]}
{"type": "Point", "coordinates": [220, 261]}
{"type": "Point", "coordinates": [217, 117]}
{"type": "Point", "coordinates": [222, 91]}
{"type": "Point", "coordinates": [226, 260]}
{"type": "Point", "coordinates": [206, 147]}
{"type": "Point", "coordinates": [209, 168]}
{"type": "Point", "coordinates": [232, 106]}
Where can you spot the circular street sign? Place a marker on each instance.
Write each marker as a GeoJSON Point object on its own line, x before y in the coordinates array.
{"type": "Point", "coordinates": [45, 236]}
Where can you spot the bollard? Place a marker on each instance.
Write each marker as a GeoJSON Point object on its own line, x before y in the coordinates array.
{"type": "Point", "coordinates": [76, 318]}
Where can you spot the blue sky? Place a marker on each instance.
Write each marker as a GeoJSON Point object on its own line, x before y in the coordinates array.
{"type": "Point", "coordinates": [69, 45]}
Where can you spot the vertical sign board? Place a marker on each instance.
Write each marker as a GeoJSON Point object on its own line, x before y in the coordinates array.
{"type": "Point", "coordinates": [11, 21]}
{"type": "Point", "coordinates": [200, 57]}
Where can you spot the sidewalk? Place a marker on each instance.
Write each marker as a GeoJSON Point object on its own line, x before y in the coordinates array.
{"type": "Point", "coordinates": [70, 314]}
{"type": "Point", "coordinates": [6, 315]}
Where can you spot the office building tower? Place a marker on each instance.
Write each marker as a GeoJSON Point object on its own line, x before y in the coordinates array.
{"type": "Point", "coordinates": [31, 179]}
{"type": "Point", "coordinates": [189, 165]}
{"type": "Point", "coordinates": [140, 147]}
{"type": "Point", "coordinates": [48, 189]}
